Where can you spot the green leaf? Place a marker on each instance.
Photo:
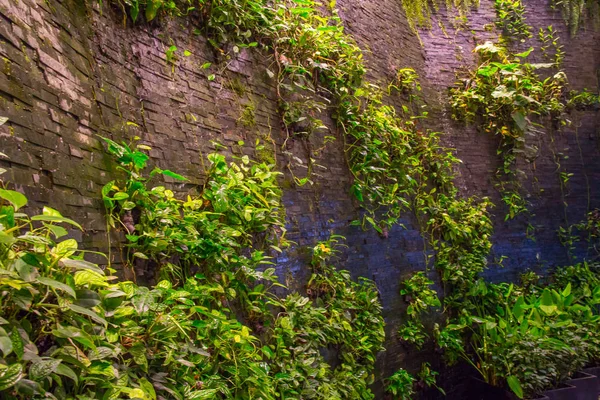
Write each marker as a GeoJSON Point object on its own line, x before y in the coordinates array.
{"type": "Point", "coordinates": [64, 370]}
{"type": "Point", "coordinates": [17, 199]}
{"type": "Point", "coordinates": [6, 346]}
{"type": "Point", "coordinates": [53, 218]}
{"type": "Point", "coordinates": [525, 53]}
{"type": "Point", "coordinates": [43, 368]}
{"type": "Point", "coordinates": [104, 368]}
{"type": "Point", "coordinates": [66, 248]}
{"type": "Point", "coordinates": [89, 313]}
{"type": "Point", "coordinates": [143, 300]}
{"type": "Point", "coordinates": [87, 277]}
{"type": "Point", "coordinates": [23, 298]}
{"type": "Point", "coordinates": [10, 376]}
{"type": "Point", "coordinates": [488, 70]}
{"type": "Point", "coordinates": [520, 120]}
{"type": "Point", "coordinates": [173, 175]}
{"type": "Point", "coordinates": [148, 388]}
{"type": "Point", "coordinates": [152, 7]}
{"type": "Point", "coordinates": [515, 385]}
{"type": "Point", "coordinates": [51, 212]}
{"type": "Point", "coordinates": [567, 290]}
{"type": "Point", "coordinates": [56, 285]}
{"type": "Point", "coordinates": [17, 343]}
{"type": "Point", "coordinates": [27, 272]}
{"type": "Point", "coordinates": [87, 298]}
{"type": "Point", "coordinates": [57, 230]}
{"type": "Point", "coordinates": [81, 264]}
{"type": "Point", "coordinates": [120, 196]}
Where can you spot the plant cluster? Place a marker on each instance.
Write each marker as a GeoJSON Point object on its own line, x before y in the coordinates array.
{"type": "Point", "coordinates": [575, 12]}
{"type": "Point", "coordinates": [420, 298]}
{"type": "Point", "coordinates": [67, 329]}
{"type": "Point", "coordinates": [527, 339]}
{"type": "Point", "coordinates": [401, 385]}
{"type": "Point", "coordinates": [418, 12]}
{"type": "Point", "coordinates": [511, 20]}
{"type": "Point", "coordinates": [504, 96]}
{"type": "Point", "coordinates": [551, 49]}
{"type": "Point", "coordinates": [396, 166]}
{"type": "Point", "coordinates": [586, 230]}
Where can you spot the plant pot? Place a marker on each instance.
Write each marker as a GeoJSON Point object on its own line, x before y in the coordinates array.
{"type": "Point", "coordinates": [587, 386]}
{"type": "Point", "coordinates": [480, 390]}
{"type": "Point", "coordinates": [593, 371]}
{"type": "Point", "coordinates": [566, 392]}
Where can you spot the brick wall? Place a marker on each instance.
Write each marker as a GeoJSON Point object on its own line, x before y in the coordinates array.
{"type": "Point", "coordinates": [70, 73]}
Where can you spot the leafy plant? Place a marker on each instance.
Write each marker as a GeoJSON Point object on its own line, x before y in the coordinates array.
{"type": "Point", "coordinates": [502, 96]}
{"type": "Point", "coordinates": [428, 377]}
{"type": "Point", "coordinates": [511, 19]}
{"type": "Point", "coordinates": [401, 385]}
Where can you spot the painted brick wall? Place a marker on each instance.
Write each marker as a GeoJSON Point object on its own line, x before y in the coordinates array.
{"type": "Point", "coordinates": [70, 73]}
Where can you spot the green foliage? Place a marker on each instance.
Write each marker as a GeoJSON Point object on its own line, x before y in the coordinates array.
{"type": "Point", "coordinates": [551, 49]}
{"type": "Point", "coordinates": [414, 333]}
{"type": "Point", "coordinates": [66, 330]}
{"type": "Point", "coordinates": [401, 385]}
{"type": "Point", "coordinates": [346, 315]}
{"type": "Point", "coordinates": [428, 377]}
{"type": "Point", "coordinates": [419, 296]}
{"type": "Point", "coordinates": [575, 12]}
{"type": "Point", "coordinates": [511, 20]}
{"type": "Point", "coordinates": [502, 96]}
{"type": "Point", "coordinates": [396, 166]}
{"type": "Point", "coordinates": [581, 100]}
{"type": "Point", "coordinates": [463, 230]}
{"type": "Point", "coordinates": [523, 339]}
{"type": "Point", "coordinates": [239, 204]}
{"type": "Point", "coordinates": [418, 12]}
{"type": "Point", "coordinates": [405, 82]}
{"type": "Point", "coordinates": [586, 230]}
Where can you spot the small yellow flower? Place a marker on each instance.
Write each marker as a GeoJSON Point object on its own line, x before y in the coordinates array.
{"type": "Point", "coordinates": [324, 248]}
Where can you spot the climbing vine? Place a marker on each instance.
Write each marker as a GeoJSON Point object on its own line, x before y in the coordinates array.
{"type": "Point", "coordinates": [506, 97]}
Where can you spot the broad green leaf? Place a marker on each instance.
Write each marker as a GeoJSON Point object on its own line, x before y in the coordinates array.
{"type": "Point", "coordinates": [17, 199]}
{"type": "Point", "coordinates": [51, 212]}
{"type": "Point", "coordinates": [81, 264]}
{"type": "Point", "coordinates": [104, 368]}
{"type": "Point", "coordinates": [87, 298]}
{"type": "Point", "coordinates": [567, 290]}
{"type": "Point", "coordinates": [56, 285]}
{"type": "Point", "coordinates": [520, 120]}
{"type": "Point", "coordinates": [87, 277]}
{"type": "Point", "coordinates": [77, 335]}
{"type": "Point", "coordinates": [515, 385]}
{"type": "Point", "coordinates": [6, 346]}
{"type": "Point", "coordinates": [17, 343]}
{"type": "Point", "coordinates": [152, 7]}
{"type": "Point", "coordinates": [66, 248]}
{"type": "Point", "coordinates": [53, 218]}
{"type": "Point", "coordinates": [148, 388]}
{"type": "Point", "coordinates": [143, 300]}
{"type": "Point", "coordinates": [10, 376]}
{"type": "Point", "coordinates": [89, 313]}
{"type": "Point", "coordinates": [64, 370]}
{"type": "Point", "coordinates": [43, 368]}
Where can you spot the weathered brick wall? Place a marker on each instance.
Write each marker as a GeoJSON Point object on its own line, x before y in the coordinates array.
{"type": "Point", "coordinates": [70, 73]}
